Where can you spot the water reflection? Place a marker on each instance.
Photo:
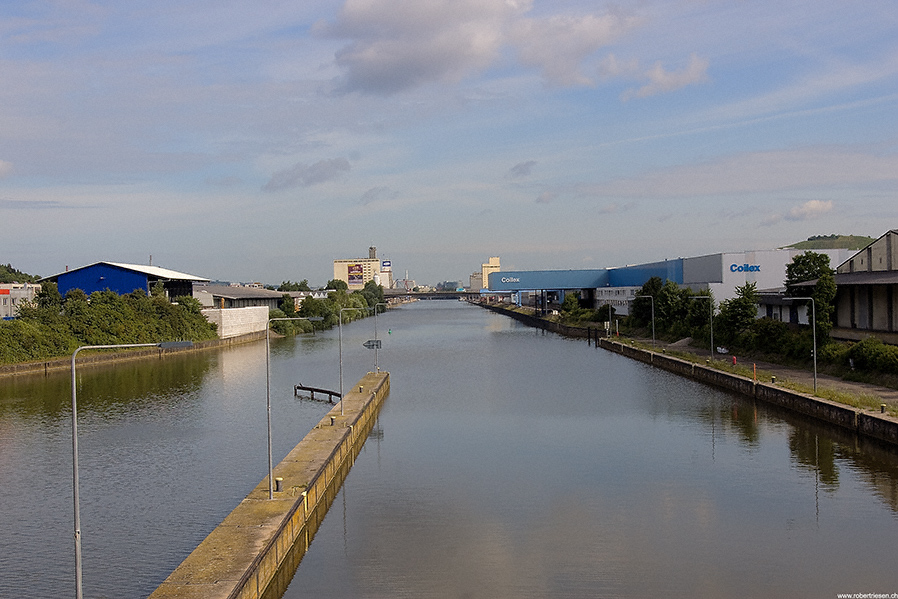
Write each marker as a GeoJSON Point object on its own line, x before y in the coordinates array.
{"type": "Point", "coordinates": [525, 465]}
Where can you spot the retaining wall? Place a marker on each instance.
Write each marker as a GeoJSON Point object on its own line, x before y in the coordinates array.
{"type": "Point", "coordinates": [254, 552]}
{"type": "Point", "coordinates": [45, 366]}
{"type": "Point", "coordinates": [878, 426]}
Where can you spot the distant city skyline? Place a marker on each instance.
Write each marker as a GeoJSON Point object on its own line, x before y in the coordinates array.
{"type": "Point", "coordinates": [246, 143]}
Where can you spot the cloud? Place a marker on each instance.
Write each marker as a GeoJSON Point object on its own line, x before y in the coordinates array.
{"type": "Point", "coordinates": [661, 81]}
{"type": "Point", "coordinates": [546, 197]}
{"type": "Point", "coordinates": [5, 169]}
{"type": "Point", "coordinates": [810, 210]}
{"type": "Point", "coordinates": [520, 170]}
{"type": "Point", "coordinates": [558, 45]}
{"type": "Point", "coordinates": [397, 45]}
{"type": "Point", "coordinates": [301, 175]}
{"type": "Point", "coordinates": [377, 193]}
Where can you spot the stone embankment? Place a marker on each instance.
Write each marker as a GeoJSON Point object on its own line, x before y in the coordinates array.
{"type": "Point", "coordinates": [863, 422]}
{"type": "Point", "coordinates": [255, 551]}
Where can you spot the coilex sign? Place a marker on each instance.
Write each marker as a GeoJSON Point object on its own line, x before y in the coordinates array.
{"type": "Point", "coordinates": [511, 280]}
{"type": "Point", "coordinates": [745, 268]}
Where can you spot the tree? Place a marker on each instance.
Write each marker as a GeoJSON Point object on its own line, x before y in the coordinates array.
{"type": "Point", "coordinates": [291, 286]}
{"type": "Point", "coordinates": [805, 267]}
{"type": "Point", "coordinates": [641, 312]}
{"type": "Point", "coordinates": [337, 284]}
{"type": "Point", "coordinates": [739, 313]}
{"type": "Point", "coordinates": [287, 305]}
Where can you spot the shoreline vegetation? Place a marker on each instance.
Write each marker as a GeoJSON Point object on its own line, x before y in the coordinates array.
{"type": "Point", "coordinates": [52, 327]}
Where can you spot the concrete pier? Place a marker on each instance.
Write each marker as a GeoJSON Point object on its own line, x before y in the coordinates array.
{"type": "Point", "coordinates": [254, 552]}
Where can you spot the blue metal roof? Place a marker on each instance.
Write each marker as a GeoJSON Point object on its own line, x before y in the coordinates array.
{"type": "Point", "coordinates": [626, 276]}
{"type": "Point", "coordinates": [522, 280]}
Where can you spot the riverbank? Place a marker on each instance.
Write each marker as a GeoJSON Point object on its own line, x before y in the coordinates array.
{"type": "Point", "coordinates": [254, 552]}
{"type": "Point", "coordinates": [864, 421]}
{"type": "Point", "coordinates": [107, 357]}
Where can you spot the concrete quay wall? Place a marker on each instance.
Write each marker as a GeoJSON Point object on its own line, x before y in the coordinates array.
{"type": "Point", "coordinates": [879, 426]}
{"type": "Point", "coordinates": [254, 552]}
{"type": "Point", "coordinates": [870, 424]}
{"type": "Point", "coordinates": [107, 357]}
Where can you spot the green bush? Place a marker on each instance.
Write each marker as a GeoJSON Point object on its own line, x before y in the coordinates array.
{"type": "Point", "coordinates": [53, 326]}
{"type": "Point", "coordinates": [873, 354]}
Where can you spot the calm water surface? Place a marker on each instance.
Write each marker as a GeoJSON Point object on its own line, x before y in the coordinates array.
{"type": "Point", "coordinates": [507, 462]}
{"type": "Point", "coordinates": [513, 463]}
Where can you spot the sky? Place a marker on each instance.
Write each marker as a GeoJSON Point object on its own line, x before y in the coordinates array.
{"type": "Point", "coordinates": [259, 141]}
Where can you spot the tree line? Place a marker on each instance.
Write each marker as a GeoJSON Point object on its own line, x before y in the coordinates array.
{"type": "Point", "coordinates": [52, 325]}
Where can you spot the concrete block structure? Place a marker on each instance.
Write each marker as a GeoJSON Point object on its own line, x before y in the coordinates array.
{"type": "Point", "coordinates": [13, 295]}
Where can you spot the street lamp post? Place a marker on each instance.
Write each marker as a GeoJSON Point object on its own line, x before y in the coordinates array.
{"type": "Point", "coordinates": [376, 369]}
{"type": "Point", "coordinates": [653, 318]}
{"type": "Point", "coordinates": [814, 328]}
{"type": "Point", "coordinates": [75, 479]}
{"type": "Point", "coordinates": [341, 355]}
{"type": "Point", "coordinates": [268, 389]}
{"type": "Point", "coordinates": [711, 312]}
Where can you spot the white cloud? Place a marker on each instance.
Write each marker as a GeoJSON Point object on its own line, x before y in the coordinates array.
{"type": "Point", "coordinates": [558, 45]}
{"type": "Point", "coordinates": [5, 169]}
{"type": "Point", "coordinates": [661, 81]}
{"type": "Point", "coordinates": [400, 44]}
{"type": "Point", "coordinates": [810, 210]}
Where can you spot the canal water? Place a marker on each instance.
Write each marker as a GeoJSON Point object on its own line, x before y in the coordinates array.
{"type": "Point", "coordinates": [507, 462]}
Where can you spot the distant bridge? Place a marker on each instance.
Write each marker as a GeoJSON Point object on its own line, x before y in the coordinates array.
{"type": "Point", "coordinates": [390, 293]}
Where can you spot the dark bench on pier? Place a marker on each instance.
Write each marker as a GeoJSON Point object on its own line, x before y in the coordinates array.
{"type": "Point", "coordinates": [313, 390]}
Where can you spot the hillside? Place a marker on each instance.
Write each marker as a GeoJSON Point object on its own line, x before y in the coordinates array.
{"type": "Point", "coordinates": [8, 274]}
{"type": "Point", "coordinates": [833, 242]}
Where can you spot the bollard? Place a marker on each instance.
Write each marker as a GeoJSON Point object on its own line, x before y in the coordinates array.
{"type": "Point", "coordinates": [882, 408]}
{"type": "Point", "coordinates": [333, 419]}
{"type": "Point", "coordinates": [734, 360]}
{"type": "Point", "coordinates": [361, 389]}
{"type": "Point", "coordinates": [773, 380]}
{"type": "Point", "coordinates": [277, 484]}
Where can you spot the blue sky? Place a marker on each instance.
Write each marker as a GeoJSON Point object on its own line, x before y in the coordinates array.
{"type": "Point", "coordinates": [260, 141]}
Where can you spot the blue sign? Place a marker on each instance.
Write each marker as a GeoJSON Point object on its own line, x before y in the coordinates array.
{"type": "Point", "coordinates": [745, 268]}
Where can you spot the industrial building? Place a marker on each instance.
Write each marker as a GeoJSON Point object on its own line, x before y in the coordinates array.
{"type": "Point", "coordinates": [355, 272]}
{"type": "Point", "coordinates": [124, 278]}
{"type": "Point", "coordinates": [720, 273]}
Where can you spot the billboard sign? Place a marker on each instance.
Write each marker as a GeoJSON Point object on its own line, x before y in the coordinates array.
{"type": "Point", "coordinates": [354, 274]}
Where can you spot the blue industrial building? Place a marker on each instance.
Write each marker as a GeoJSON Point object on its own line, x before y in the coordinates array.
{"type": "Point", "coordinates": [124, 278]}
{"type": "Point", "coordinates": [720, 274]}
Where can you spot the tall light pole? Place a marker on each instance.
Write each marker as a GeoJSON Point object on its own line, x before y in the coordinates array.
{"type": "Point", "coordinates": [711, 312]}
{"type": "Point", "coordinates": [341, 354]}
{"type": "Point", "coordinates": [376, 369]}
{"type": "Point", "coordinates": [268, 388]}
{"type": "Point", "coordinates": [75, 480]}
{"type": "Point", "coordinates": [814, 323]}
{"type": "Point", "coordinates": [653, 318]}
